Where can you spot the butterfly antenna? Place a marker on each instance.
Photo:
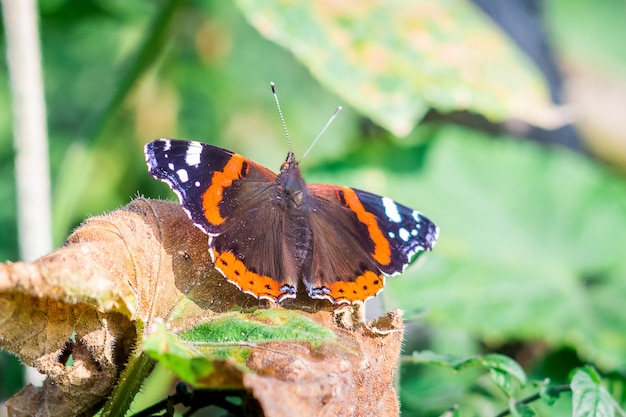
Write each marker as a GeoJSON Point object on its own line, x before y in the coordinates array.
{"type": "Point", "coordinates": [322, 132]}
{"type": "Point", "coordinates": [282, 119]}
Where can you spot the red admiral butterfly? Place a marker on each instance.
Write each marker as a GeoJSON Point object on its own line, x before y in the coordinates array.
{"type": "Point", "coordinates": [267, 231]}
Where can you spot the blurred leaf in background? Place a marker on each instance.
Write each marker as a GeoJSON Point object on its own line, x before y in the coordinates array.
{"type": "Point", "coordinates": [530, 260]}
{"type": "Point", "coordinates": [394, 60]}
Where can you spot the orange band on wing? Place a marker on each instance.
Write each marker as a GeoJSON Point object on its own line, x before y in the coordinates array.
{"type": "Point", "coordinates": [221, 179]}
{"type": "Point", "coordinates": [363, 287]}
{"type": "Point", "coordinates": [260, 286]}
{"type": "Point", "coordinates": [382, 251]}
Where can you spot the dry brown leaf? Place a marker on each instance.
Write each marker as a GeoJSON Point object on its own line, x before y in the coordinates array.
{"type": "Point", "coordinates": [145, 263]}
{"type": "Point", "coordinates": [354, 381]}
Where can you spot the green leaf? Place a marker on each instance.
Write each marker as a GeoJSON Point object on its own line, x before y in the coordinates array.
{"type": "Point", "coordinates": [262, 325]}
{"type": "Point", "coordinates": [548, 393]}
{"type": "Point", "coordinates": [442, 54]}
{"type": "Point", "coordinates": [531, 243]}
{"type": "Point", "coordinates": [428, 390]}
{"type": "Point", "coordinates": [503, 381]}
{"type": "Point", "coordinates": [592, 372]}
{"type": "Point", "coordinates": [505, 365]}
{"type": "Point", "coordinates": [184, 360]}
{"type": "Point", "coordinates": [504, 371]}
{"type": "Point", "coordinates": [589, 398]}
{"type": "Point", "coordinates": [521, 410]}
{"type": "Point", "coordinates": [192, 353]}
{"type": "Point", "coordinates": [456, 362]}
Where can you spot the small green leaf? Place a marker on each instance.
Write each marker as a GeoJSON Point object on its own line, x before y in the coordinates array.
{"type": "Point", "coordinates": [548, 393]}
{"type": "Point", "coordinates": [521, 410]}
{"type": "Point", "coordinates": [505, 364]}
{"type": "Point", "coordinates": [184, 360]}
{"type": "Point", "coordinates": [504, 381]}
{"type": "Point", "coordinates": [589, 398]}
{"type": "Point", "coordinates": [456, 362]}
{"type": "Point", "coordinates": [504, 371]}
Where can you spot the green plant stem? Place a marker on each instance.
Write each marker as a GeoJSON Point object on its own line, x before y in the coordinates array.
{"type": "Point", "coordinates": [534, 397]}
{"type": "Point", "coordinates": [139, 367]}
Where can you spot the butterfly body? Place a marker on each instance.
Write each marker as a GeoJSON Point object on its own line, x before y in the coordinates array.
{"type": "Point", "coordinates": [270, 232]}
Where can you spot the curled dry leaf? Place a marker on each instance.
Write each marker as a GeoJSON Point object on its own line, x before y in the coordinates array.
{"type": "Point", "coordinates": [119, 275]}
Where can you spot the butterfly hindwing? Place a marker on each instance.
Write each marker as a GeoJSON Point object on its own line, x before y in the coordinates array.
{"type": "Point", "coordinates": [251, 253]}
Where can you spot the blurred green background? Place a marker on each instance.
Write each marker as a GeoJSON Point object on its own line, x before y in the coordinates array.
{"type": "Point", "coordinates": [532, 209]}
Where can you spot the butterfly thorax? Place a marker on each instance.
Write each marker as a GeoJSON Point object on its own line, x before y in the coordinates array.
{"type": "Point", "coordinates": [292, 185]}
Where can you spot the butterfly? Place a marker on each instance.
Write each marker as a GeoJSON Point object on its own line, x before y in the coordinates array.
{"type": "Point", "coordinates": [269, 233]}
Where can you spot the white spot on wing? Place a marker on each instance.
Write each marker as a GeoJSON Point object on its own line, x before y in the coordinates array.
{"type": "Point", "coordinates": [391, 210]}
{"type": "Point", "coordinates": [197, 183]}
{"type": "Point", "coordinates": [192, 157]}
{"type": "Point", "coordinates": [168, 145]}
{"type": "Point", "coordinates": [391, 234]}
{"type": "Point", "coordinates": [182, 175]}
{"type": "Point", "coordinates": [170, 166]}
{"type": "Point", "coordinates": [404, 234]}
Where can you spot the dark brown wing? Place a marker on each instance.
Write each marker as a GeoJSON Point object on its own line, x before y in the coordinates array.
{"type": "Point", "coordinates": [358, 238]}
{"type": "Point", "coordinates": [342, 268]}
{"type": "Point", "coordinates": [231, 198]}
{"type": "Point", "coordinates": [251, 254]}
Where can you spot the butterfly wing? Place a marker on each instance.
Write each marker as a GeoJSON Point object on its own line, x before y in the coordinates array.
{"type": "Point", "coordinates": [358, 238]}
{"type": "Point", "coordinates": [408, 231]}
{"type": "Point", "coordinates": [200, 175]}
{"type": "Point", "coordinates": [251, 254]}
{"type": "Point", "coordinates": [229, 198]}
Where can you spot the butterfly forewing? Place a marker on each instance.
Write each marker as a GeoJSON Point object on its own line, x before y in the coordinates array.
{"type": "Point", "coordinates": [222, 192]}
{"type": "Point", "coordinates": [408, 231]}
{"type": "Point", "coordinates": [199, 174]}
